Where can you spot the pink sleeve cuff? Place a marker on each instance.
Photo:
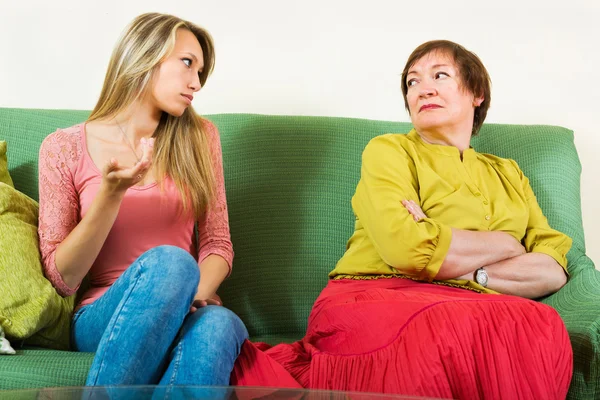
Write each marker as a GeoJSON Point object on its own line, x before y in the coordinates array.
{"type": "Point", "coordinates": [55, 277]}
{"type": "Point", "coordinates": [223, 253]}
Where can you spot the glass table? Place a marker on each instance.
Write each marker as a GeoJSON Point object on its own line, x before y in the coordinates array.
{"type": "Point", "coordinates": [188, 392]}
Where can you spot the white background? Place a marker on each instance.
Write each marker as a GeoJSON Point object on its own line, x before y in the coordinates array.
{"type": "Point", "coordinates": [330, 57]}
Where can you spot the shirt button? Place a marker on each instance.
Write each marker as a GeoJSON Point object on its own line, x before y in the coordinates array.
{"type": "Point", "coordinates": [485, 202]}
{"type": "Point", "coordinates": [477, 194]}
{"type": "Point", "coordinates": [487, 217]}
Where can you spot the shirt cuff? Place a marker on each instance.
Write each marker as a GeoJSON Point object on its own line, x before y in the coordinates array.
{"type": "Point", "coordinates": [439, 254]}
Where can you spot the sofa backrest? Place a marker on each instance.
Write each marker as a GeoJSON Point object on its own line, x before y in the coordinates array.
{"type": "Point", "coordinates": [289, 182]}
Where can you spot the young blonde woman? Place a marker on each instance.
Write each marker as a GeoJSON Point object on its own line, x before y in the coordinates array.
{"type": "Point", "coordinates": [120, 195]}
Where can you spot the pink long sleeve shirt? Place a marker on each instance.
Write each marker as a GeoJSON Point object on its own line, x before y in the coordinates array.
{"type": "Point", "coordinates": [68, 183]}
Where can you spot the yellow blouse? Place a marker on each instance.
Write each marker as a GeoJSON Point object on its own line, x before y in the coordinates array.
{"type": "Point", "coordinates": [481, 192]}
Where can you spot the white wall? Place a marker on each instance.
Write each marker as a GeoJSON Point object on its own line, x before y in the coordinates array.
{"type": "Point", "coordinates": [329, 57]}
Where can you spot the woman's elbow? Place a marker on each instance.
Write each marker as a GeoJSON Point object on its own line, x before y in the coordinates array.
{"type": "Point", "coordinates": [560, 280]}
{"type": "Point", "coordinates": [555, 281]}
{"type": "Point", "coordinates": [404, 264]}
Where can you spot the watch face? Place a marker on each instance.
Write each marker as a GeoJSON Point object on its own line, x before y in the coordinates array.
{"type": "Point", "coordinates": [482, 277]}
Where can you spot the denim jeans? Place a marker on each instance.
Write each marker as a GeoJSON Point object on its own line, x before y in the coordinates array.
{"type": "Point", "coordinates": [143, 333]}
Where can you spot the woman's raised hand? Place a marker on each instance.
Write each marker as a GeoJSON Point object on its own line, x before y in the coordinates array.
{"type": "Point", "coordinates": [118, 179]}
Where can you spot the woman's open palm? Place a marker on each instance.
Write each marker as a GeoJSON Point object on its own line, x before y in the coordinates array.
{"type": "Point", "coordinates": [120, 178]}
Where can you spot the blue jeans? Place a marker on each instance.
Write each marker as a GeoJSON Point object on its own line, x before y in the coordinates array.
{"type": "Point", "coordinates": [142, 332]}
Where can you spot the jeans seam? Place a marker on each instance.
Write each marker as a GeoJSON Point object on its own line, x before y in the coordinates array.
{"type": "Point", "coordinates": [76, 315]}
{"type": "Point", "coordinates": [177, 360]}
{"type": "Point", "coordinates": [117, 315]}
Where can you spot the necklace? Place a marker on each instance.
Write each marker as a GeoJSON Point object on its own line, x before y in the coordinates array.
{"type": "Point", "coordinates": [127, 141]}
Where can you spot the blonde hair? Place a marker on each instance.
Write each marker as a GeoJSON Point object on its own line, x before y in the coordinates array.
{"type": "Point", "coordinates": [182, 148]}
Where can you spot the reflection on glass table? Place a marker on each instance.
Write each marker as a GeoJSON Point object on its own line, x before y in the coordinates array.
{"type": "Point", "coordinates": [188, 392]}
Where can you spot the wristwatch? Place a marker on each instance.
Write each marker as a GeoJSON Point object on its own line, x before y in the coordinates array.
{"type": "Point", "coordinates": [481, 277]}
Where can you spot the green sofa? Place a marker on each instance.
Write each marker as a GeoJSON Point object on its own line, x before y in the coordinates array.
{"type": "Point", "coordinates": [289, 182]}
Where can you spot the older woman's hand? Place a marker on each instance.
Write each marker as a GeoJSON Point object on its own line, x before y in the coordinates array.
{"type": "Point", "coordinates": [414, 209]}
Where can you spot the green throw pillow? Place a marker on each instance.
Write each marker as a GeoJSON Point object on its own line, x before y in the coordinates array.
{"type": "Point", "coordinates": [30, 308]}
{"type": "Point", "coordinates": [4, 176]}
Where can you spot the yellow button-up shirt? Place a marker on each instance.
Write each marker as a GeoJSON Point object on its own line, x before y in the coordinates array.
{"type": "Point", "coordinates": [479, 192]}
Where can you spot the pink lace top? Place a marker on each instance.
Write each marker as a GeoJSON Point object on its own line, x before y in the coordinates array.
{"type": "Point", "coordinates": [69, 181]}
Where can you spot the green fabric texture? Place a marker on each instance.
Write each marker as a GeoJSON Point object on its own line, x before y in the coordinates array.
{"type": "Point", "coordinates": [4, 175]}
{"type": "Point", "coordinates": [38, 368]}
{"type": "Point", "coordinates": [289, 182]}
{"type": "Point", "coordinates": [24, 130]}
{"type": "Point", "coordinates": [578, 304]}
{"type": "Point", "coordinates": [30, 308]}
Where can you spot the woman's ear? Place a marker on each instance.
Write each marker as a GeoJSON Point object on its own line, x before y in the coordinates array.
{"type": "Point", "coordinates": [477, 101]}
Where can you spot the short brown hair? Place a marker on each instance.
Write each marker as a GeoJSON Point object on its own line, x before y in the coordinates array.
{"type": "Point", "coordinates": [473, 74]}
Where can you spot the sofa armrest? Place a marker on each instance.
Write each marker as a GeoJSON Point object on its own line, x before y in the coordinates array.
{"type": "Point", "coordinates": [578, 304]}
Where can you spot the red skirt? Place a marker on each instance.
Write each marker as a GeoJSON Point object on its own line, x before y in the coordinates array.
{"type": "Point", "coordinates": [412, 338]}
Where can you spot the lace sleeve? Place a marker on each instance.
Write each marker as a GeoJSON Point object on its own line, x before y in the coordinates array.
{"type": "Point", "coordinates": [59, 202]}
{"type": "Point", "coordinates": [213, 229]}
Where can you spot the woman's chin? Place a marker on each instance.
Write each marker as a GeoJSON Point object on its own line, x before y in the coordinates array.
{"type": "Point", "coordinates": [427, 126]}
{"type": "Point", "coordinates": [176, 112]}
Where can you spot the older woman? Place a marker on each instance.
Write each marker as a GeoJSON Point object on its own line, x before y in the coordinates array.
{"type": "Point", "coordinates": [433, 218]}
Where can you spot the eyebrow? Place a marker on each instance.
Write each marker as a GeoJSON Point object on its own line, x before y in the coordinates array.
{"type": "Point", "coordinates": [433, 67]}
{"type": "Point", "coordinates": [191, 55]}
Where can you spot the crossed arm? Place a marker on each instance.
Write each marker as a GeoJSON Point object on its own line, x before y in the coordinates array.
{"type": "Point", "coordinates": [511, 270]}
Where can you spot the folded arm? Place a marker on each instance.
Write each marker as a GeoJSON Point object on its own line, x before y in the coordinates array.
{"type": "Point", "coordinates": [534, 270]}
{"type": "Point", "coordinates": [530, 275]}
{"type": "Point", "coordinates": [470, 250]}
{"type": "Point", "coordinates": [543, 270]}
{"type": "Point", "coordinates": [409, 241]}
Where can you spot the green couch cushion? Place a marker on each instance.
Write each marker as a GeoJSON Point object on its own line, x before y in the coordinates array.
{"type": "Point", "coordinates": [4, 175]}
{"type": "Point", "coordinates": [38, 368]}
{"type": "Point", "coordinates": [30, 308]}
{"type": "Point", "coordinates": [578, 303]}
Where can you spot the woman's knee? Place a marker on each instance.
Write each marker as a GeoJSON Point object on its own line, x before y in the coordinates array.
{"type": "Point", "coordinates": [171, 264]}
{"type": "Point", "coordinates": [220, 323]}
